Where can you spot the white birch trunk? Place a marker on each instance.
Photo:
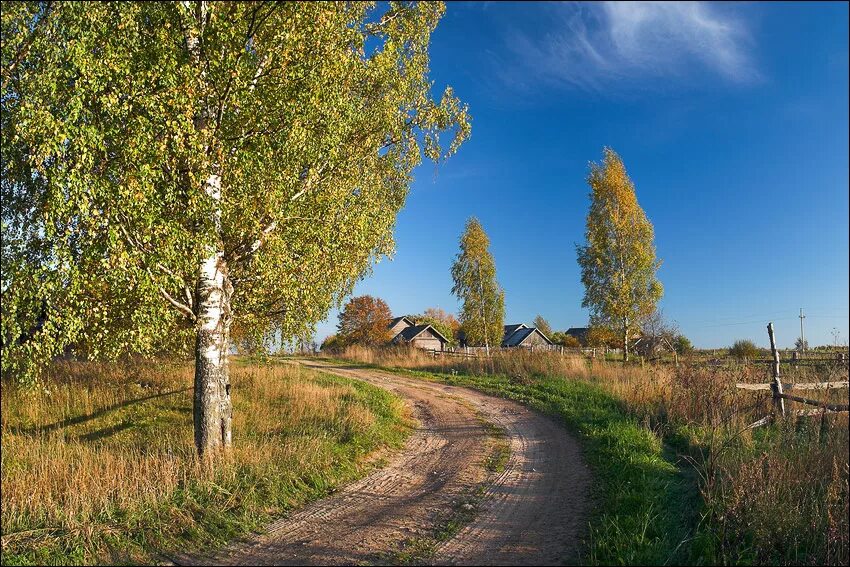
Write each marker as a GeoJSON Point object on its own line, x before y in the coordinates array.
{"type": "Point", "coordinates": [212, 406]}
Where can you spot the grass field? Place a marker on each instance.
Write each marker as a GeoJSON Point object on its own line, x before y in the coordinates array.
{"type": "Point", "coordinates": [99, 465]}
{"type": "Point", "coordinates": [679, 477]}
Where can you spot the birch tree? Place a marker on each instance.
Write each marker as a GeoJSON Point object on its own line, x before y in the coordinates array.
{"type": "Point", "coordinates": [474, 273]}
{"type": "Point", "coordinates": [618, 263]}
{"type": "Point", "coordinates": [168, 168]}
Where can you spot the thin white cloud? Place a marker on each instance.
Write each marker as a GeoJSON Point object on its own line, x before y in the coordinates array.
{"type": "Point", "coordinates": [592, 46]}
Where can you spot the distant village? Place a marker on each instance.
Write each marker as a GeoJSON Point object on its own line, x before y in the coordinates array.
{"type": "Point", "coordinates": [405, 330]}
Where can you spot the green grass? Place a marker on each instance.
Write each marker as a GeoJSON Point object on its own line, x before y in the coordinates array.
{"type": "Point", "coordinates": [646, 506]}
{"type": "Point", "coordinates": [99, 470]}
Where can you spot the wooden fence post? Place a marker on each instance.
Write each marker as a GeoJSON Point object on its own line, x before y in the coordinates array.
{"type": "Point", "coordinates": [776, 386]}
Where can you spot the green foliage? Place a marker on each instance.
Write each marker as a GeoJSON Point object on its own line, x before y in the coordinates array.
{"type": "Point", "coordinates": [618, 262]}
{"type": "Point", "coordinates": [114, 116]}
{"type": "Point", "coordinates": [744, 348]}
{"type": "Point", "coordinates": [442, 327]}
{"type": "Point", "coordinates": [682, 344]}
{"type": "Point", "coordinates": [364, 321]}
{"type": "Point", "coordinates": [801, 344]}
{"type": "Point", "coordinates": [332, 343]}
{"type": "Point", "coordinates": [564, 340]}
{"type": "Point", "coordinates": [474, 274]}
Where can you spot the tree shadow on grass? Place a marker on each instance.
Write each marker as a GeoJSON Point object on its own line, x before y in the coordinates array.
{"type": "Point", "coordinates": [105, 432]}
{"type": "Point", "coordinates": [42, 429]}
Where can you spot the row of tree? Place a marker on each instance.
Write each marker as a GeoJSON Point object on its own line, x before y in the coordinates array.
{"type": "Point", "coordinates": [618, 265]}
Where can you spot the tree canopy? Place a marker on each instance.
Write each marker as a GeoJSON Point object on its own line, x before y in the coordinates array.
{"type": "Point", "coordinates": [445, 323]}
{"type": "Point", "coordinates": [618, 262]}
{"type": "Point", "coordinates": [140, 140]}
{"type": "Point", "coordinates": [364, 321]}
{"type": "Point", "coordinates": [474, 273]}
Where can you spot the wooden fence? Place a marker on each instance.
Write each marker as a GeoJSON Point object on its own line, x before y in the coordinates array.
{"type": "Point", "coordinates": [777, 388]}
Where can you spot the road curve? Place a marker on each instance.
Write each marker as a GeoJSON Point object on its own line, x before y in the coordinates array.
{"type": "Point", "coordinates": [531, 513]}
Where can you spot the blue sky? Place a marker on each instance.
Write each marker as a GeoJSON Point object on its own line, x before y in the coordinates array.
{"type": "Point", "coordinates": [732, 120]}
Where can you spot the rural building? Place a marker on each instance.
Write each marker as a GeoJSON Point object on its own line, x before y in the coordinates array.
{"type": "Point", "coordinates": [403, 330]}
{"type": "Point", "coordinates": [399, 324]}
{"type": "Point", "coordinates": [580, 333]}
{"type": "Point", "coordinates": [524, 336]}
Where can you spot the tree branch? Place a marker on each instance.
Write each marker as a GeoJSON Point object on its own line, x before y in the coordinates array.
{"type": "Point", "coordinates": [185, 309]}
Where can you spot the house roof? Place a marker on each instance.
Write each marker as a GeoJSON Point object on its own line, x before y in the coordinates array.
{"type": "Point", "coordinates": [511, 329]}
{"type": "Point", "coordinates": [395, 321]}
{"type": "Point", "coordinates": [518, 336]}
{"type": "Point", "coordinates": [575, 331]}
{"type": "Point", "coordinates": [411, 333]}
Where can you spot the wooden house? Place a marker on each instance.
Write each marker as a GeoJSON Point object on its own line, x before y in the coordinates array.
{"type": "Point", "coordinates": [523, 336]}
{"type": "Point", "coordinates": [404, 331]}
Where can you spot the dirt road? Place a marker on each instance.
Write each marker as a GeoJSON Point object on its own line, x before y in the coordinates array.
{"type": "Point", "coordinates": [531, 512]}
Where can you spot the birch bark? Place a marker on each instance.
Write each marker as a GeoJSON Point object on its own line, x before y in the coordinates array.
{"type": "Point", "coordinates": [213, 409]}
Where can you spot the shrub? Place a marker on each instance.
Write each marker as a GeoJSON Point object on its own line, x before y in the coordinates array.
{"type": "Point", "coordinates": [744, 349]}
{"type": "Point", "coordinates": [682, 344]}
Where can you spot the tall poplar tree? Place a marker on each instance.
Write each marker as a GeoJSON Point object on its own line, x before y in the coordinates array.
{"type": "Point", "coordinates": [618, 263]}
{"type": "Point", "coordinates": [170, 167]}
{"type": "Point", "coordinates": [474, 273]}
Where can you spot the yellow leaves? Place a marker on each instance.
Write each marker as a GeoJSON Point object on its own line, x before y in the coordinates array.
{"type": "Point", "coordinates": [618, 260]}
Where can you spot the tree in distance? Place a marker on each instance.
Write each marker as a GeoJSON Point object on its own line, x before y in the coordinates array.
{"type": "Point", "coordinates": [744, 349]}
{"type": "Point", "coordinates": [364, 321]}
{"type": "Point", "coordinates": [474, 274]}
{"type": "Point", "coordinates": [445, 323]}
{"type": "Point", "coordinates": [618, 263]}
{"type": "Point", "coordinates": [543, 326]}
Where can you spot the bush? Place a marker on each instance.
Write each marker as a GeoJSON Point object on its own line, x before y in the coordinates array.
{"type": "Point", "coordinates": [333, 343]}
{"type": "Point", "coordinates": [682, 345]}
{"type": "Point", "coordinates": [744, 349]}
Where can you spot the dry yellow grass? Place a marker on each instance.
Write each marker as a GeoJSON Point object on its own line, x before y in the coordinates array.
{"type": "Point", "coordinates": [105, 452]}
{"type": "Point", "coordinates": [775, 494]}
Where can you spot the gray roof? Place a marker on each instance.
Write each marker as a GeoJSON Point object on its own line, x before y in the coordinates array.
{"type": "Point", "coordinates": [411, 333]}
{"type": "Point", "coordinates": [395, 321]}
{"type": "Point", "coordinates": [511, 329]}
{"type": "Point", "coordinates": [518, 336]}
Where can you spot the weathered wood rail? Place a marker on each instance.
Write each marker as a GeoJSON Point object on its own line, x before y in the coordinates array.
{"type": "Point", "coordinates": [777, 388]}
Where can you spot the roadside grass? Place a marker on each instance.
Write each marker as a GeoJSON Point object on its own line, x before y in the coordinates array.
{"type": "Point", "coordinates": [99, 466]}
{"type": "Point", "coordinates": [679, 477]}
{"type": "Point", "coordinates": [638, 519]}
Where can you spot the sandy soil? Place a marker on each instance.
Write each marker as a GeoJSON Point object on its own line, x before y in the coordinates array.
{"type": "Point", "coordinates": [531, 513]}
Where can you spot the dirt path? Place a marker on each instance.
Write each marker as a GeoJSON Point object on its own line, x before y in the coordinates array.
{"type": "Point", "coordinates": [530, 513]}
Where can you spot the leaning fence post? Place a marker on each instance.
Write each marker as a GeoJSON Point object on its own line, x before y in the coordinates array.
{"type": "Point", "coordinates": [776, 386]}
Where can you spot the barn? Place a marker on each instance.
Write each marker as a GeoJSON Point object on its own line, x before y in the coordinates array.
{"type": "Point", "coordinates": [422, 336]}
{"type": "Point", "coordinates": [405, 330]}
{"type": "Point", "coordinates": [525, 337]}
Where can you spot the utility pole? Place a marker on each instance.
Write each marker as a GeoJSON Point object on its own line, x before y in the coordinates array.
{"type": "Point", "coordinates": [802, 336]}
